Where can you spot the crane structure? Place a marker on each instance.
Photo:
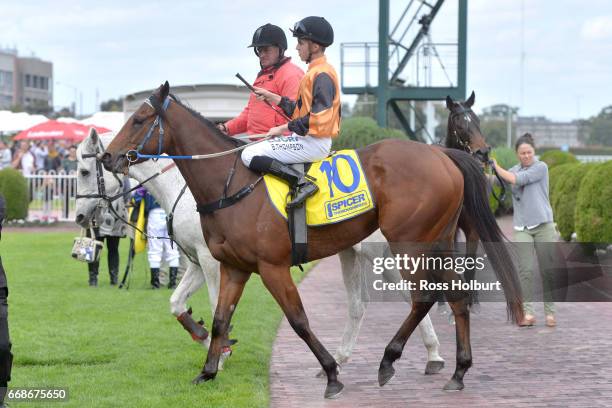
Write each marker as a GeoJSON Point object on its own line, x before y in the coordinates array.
{"type": "Point", "coordinates": [409, 65]}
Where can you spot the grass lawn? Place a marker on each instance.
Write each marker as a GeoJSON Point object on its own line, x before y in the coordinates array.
{"type": "Point", "coordinates": [118, 348]}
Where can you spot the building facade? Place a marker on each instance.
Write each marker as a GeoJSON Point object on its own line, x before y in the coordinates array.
{"type": "Point", "coordinates": [26, 82]}
{"type": "Point", "coordinates": [549, 133]}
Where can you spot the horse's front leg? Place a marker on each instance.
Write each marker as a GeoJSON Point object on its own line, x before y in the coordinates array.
{"type": "Point", "coordinates": [232, 285]}
{"type": "Point", "coordinates": [189, 284]}
{"type": "Point", "coordinates": [277, 280]}
{"type": "Point", "coordinates": [394, 349]}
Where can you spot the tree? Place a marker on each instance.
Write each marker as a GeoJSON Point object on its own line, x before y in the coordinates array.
{"type": "Point", "coordinates": [601, 128]}
{"type": "Point", "coordinates": [365, 106]}
{"type": "Point", "coordinates": [39, 106]}
{"type": "Point", "coordinates": [493, 123]}
{"type": "Point", "coordinates": [112, 105]}
{"type": "Point", "coordinates": [63, 112]}
{"type": "Point", "coordinates": [346, 110]}
{"type": "Point", "coordinates": [442, 128]}
{"type": "Point", "coordinates": [358, 132]}
{"type": "Point", "coordinates": [494, 131]}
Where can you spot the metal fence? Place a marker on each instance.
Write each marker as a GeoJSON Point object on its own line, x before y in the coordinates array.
{"type": "Point", "coordinates": [584, 158]}
{"type": "Point", "coordinates": [52, 196]}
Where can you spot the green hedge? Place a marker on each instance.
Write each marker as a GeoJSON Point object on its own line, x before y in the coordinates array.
{"type": "Point", "coordinates": [359, 131]}
{"type": "Point", "coordinates": [593, 213]}
{"type": "Point", "coordinates": [555, 176]}
{"type": "Point", "coordinates": [556, 157]}
{"type": "Point", "coordinates": [14, 188]}
{"type": "Point", "coordinates": [566, 192]}
{"type": "Point", "coordinates": [505, 157]}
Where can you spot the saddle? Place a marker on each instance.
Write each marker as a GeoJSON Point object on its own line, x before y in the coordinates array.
{"type": "Point", "coordinates": [343, 193]}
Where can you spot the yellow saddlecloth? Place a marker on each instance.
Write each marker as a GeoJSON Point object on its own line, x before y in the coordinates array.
{"type": "Point", "coordinates": [343, 190]}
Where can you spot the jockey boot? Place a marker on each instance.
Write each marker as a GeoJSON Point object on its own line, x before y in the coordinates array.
{"type": "Point", "coordinates": [93, 274]}
{"type": "Point", "coordinates": [114, 274]}
{"type": "Point", "coordinates": [172, 278]}
{"type": "Point", "coordinates": [297, 180]}
{"type": "Point", "coordinates": [154, 278]}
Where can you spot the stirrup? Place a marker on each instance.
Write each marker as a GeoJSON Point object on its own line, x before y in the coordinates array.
{"type": "Point", "coordinates": [303, 192]}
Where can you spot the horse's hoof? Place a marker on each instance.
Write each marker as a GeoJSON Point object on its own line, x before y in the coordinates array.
{"type": "Point", "coordinates": [333, 390]}
{"type": "Point", "coordinates": [453, 385]}
{"type": "Point", "coordinates": [433, 367]}
{"type": "Point", "coordinates": [385, 374]}
{"type": "Point", "coordinates": [203, 377]}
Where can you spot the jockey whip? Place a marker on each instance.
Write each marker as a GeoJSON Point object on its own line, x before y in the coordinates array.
{"type": "Point", "coordinates": [280, 112]}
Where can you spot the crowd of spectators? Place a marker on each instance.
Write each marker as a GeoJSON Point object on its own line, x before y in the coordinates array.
{"type": "Point", "coordinates": [42, 155]}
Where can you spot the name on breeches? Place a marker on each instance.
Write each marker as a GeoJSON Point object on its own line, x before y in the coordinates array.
{"type": "Point", "coordinates": [424, 284]}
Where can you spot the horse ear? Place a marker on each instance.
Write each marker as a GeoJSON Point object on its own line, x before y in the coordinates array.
{"type": "Point", "coordinates": [470, 100]}
{"type": "Point", "coordinates": [449, 102]}
{"type": "Point", "coordinates": [165, 90]}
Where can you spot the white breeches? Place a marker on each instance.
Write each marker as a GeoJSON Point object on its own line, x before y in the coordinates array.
{"type": "Point", "coordinates": [158, 249]}
{"type": "Point", "coordinates": [290, 149]}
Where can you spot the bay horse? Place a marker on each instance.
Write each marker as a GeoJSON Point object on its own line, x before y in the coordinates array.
{"type": "Point", "coordinates": [419, 191]}
{"type": "Point", "coordinates": [165, 183]}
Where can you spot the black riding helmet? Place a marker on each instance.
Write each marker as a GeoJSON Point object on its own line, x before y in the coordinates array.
{"type": "Point", "coordinates": [315, 29]}
{"type": "Point", "coordinates": [267, 35]}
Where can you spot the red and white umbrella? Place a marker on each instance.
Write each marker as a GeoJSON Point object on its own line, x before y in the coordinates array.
{"type": "Point", "coordinates": [55, 130]}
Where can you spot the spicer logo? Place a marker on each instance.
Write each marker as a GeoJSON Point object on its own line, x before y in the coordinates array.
{"type": "Point", "coordinates": [346, 205]}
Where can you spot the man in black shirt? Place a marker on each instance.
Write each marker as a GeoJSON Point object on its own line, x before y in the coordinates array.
{"type": "Point", "coordinates": [6, 358]}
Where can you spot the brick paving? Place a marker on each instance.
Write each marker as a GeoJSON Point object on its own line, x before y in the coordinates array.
{"type": "Point", "coordinates": [570, 365]}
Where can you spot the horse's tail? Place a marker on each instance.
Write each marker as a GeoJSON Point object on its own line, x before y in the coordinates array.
{"type": "Point", "coordinates": [476, 206]}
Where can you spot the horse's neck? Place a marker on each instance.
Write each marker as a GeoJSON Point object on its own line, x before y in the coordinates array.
{"type": "Point", "coordinates": [164, 187]}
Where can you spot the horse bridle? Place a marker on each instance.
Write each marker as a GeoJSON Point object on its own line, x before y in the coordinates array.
{"type": "Point", "coordinates": [481, 154]}
{"type": "Point", "coordinates": [465, 144]}
{"type": "Point", "coordinates": [100, 177]}
{"type": "Point", "coordinates": [153, 102]}
{"type": "Point", "coordinates": [108, 200]}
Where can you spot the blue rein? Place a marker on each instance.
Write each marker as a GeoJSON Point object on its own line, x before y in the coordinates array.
{"type": "Point", "coordinates": [157, 156]}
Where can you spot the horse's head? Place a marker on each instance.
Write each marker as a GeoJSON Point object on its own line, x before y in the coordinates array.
{"type": "Point", "coordinates": [464, 129]}
{"type": "Point", "coordinates": [145, 132]}
{"type": "Point", "coordinates": [93, 182]}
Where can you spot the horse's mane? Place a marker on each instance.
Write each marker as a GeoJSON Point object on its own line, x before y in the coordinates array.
{"type": "Point", "coordinates": [211, 126]}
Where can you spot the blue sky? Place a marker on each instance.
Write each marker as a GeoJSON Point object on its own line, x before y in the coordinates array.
{"type": "Point", "coordinates": [119, 47]}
